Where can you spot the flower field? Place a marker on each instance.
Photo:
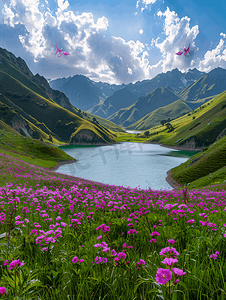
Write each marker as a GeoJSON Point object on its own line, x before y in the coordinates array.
{"type": "Point", "coordinates": [63, 237]}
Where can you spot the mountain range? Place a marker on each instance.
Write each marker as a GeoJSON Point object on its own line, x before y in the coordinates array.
{"type": "Point", "coordinates": [127, 105]}
{"type": "Point", "coordinates": [30, 106]}
{"type": "Point", "coordinates": [86, 94]}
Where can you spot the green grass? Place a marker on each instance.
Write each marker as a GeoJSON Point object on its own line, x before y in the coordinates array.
{"type": "Point", "coordinates": [204, 168]}
{"type": "Point", "coordinates": [194, 125]}
{"type": "Point", "coordinates": [30, 194]}
{"type": "Point", "coordinates": [154, 118]}
{"type": "Point", "coordinates": [128, 137]}
{"type": "Point", "coordinates": [48, 114]}
{"type": "Point", "coordinates": [30, 150]}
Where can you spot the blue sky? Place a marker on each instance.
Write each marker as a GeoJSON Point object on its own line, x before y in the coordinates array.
{"type": "Point", "coordinates": [115, 41]}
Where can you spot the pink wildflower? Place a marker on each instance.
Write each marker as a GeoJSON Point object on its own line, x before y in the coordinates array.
{"type": "Point", "coordinates": [15, 263]}
{"type": "Point", "coordinates": [154, 233]}
{"type": "Point", "coordinates": [75, 259]}
{"type": "Point", "coordinates": [169, 261]}
{"type": "Point", "coordinates": [153, 241]}
{"type": "Point", "coordinates": [2, 290]}
{"type": "Point", "coordinates": [171, 241]}
{"type": "Point", "coordinates": [6, 262]}
{"type": "Point", "coordinates": [113, 252]}
{"type": "Point", "coordinates": [163, 276]}
{"type": "Point", "coordinates": [178, 272]}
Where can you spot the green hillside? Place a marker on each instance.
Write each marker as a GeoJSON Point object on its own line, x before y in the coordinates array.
{"type": "Point", "coordinates": [196, 129]}
{"type": "Point", "coordinates": [154, 118]}
{"type": "Point", "coordinates": [61, 122]}
{"type": "Point", "coordinates": [20, 76]}
{"type": "Point", "coordinates": [28, 149]}
{"type": "Point", "coordinates": [205, 88]}
{"type": "Point", "coordinates": [204, 168]}
{"type": "Point", "coordinates": [160, 97]}
{"type": "Point", "coordinates": [108, 124]}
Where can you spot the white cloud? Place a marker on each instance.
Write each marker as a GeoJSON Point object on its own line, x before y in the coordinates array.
{"type": "Point", "coordinates": [178, 35]}
{"type": "Point", "coordinates": [91, 53]}
{"type": "Point", "coordinates": [144, 4]}
{"type": "Point", "coordinates": [102, 23]}
{"type": "Point", "coordinates": [63, 4]}
{"type": "Point", "coordinates": [214, 58]}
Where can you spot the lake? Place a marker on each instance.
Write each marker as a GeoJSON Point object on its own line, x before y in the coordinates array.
{"type": "Point", "coordinates": [134, 165]}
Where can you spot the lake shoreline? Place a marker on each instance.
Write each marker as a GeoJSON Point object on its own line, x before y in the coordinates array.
{"type": "Point", "coordinates": [64, 162]}
{"type": "Point", "coordinates": [175, 147]}
{"type": "Point", "coordinates": [171, 181]}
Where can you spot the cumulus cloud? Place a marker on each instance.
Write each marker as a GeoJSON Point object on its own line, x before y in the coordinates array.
{"type": "Point", "coordinates": [214, 58]}
{"type": "Point", "coordinates": [177, 35]}
{"type": "Point", "coordinates": [144, 4]}
{"type": "Point", "coordinates": [91, 53]}
{"type": "Point", "coordinates": [35, 29]}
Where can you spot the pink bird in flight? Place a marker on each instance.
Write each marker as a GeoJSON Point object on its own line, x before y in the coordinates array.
{"type": "Point", "coordinates": [60, 54]}
{"type": "Point", "coordinates": [185, 51]}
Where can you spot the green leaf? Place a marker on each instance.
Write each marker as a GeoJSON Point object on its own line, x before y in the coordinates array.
{"type": "Point", "coordinates": [153, 291]}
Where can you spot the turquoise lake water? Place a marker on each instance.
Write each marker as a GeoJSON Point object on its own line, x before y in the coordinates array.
{"type": "Point", "coordinates": [134, 165]}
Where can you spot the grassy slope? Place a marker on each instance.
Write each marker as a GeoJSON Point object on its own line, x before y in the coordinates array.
{"type": "Point", "coordinates": [24, 79]}
{"type": "Point", "coordinates": [44, 110]}
{"type": "Point", "coordinates": [10, 111]}
{"type": "Point", "coordinates": [154, 118]}
{"type": "Point", "coordinates": [202, 86]}
{"type": "Point", "coordinates": [204, 168]}
{"type": "Point", "coordinates": [29, 150]}
{"type": "Point", "coordinates": [103, 133]}
{"type": "Point", "coordinates": [158, 97]}
{"type": "Point", "coordinates": [108, 124]}
{"type": "Point", "coordinates": [209, 120]}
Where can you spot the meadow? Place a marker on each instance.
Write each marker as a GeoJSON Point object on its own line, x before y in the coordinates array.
{"type": "Point", "coordinates": [63, 237]}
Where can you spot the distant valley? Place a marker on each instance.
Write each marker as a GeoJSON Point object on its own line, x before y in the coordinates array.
{"type": "Point", "coordinates": [129, 105]}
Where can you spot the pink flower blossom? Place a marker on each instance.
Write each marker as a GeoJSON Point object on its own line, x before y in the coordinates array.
{"type": "Point", "coordinates": [6, 262]}
{"type": "Point", "coordinates": [171, 241]}
{"type": "Point", "coordinates": [169, 261]}
{"type": "Point", "coordinates": [103, 228]}
{"type": "Point", "coordinates": [163, 276]}
{"type": "Point", "coordinates": [153, 241]}
{"type": "Point", "coordinates": [121, 255]}
{"type": "Point", "coordinates": [2, 290]}
{"type": "Point", "coordinates": [141, 262]}
{"type": "Point", "coordinates": [98, 260]}
{"type": "Point", "coordinates": [178, 272]}
{"type": "Point", "coordinates": [63, 224]}
{"type": "Point", "coordinates": [113, 252]}
{"type": "Point", "coordinates": [15, 263]}
{"type": "Point", "coordinates": [131, 231]}
{"type": "Point", "coordinates": [168, 250]}
{"type": "Point", "coordinates": [75, 259]}
{"type": "Point", "coordinates": [190, 221]}
{"type": "Point", "coordinates": [154, 233]}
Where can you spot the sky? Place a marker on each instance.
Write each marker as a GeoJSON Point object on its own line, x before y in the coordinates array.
{"type": "Point", "coordinates": [114, 41]}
